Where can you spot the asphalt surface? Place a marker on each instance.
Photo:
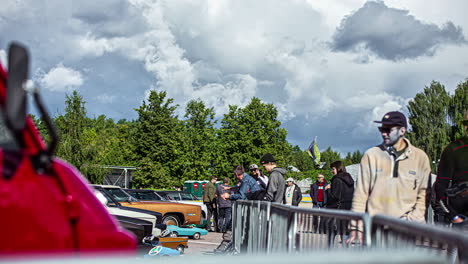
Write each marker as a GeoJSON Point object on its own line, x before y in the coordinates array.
{"type": "Point", "coordinates": [205, 245]}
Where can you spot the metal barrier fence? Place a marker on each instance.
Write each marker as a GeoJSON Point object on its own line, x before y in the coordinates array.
{"type": "Point", "coordinates": [389, 232]}
{"type": "Point", "coordinates": [263, 227]}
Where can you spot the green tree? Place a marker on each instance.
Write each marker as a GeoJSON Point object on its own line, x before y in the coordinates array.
{"type": "Point", "coordinates": [199, 145]}
{"type": "Point", "coordinates": [328, 156]}
{"type": "Point", "coordinates": [71, 126]}
{"type": "Point", "coordinates": [457, 108]}
{"type": "Point", "coordinates": [301, 159]}
{"type": "Point", "coordinates": [246, 134]}
{"type": "Point", "coordinates": [158, 141]}
{"type": "Point", "coordinates": [428, 116]}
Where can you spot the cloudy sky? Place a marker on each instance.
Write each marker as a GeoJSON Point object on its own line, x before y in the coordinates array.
{"type": "Point", "coordinates": [330, 66]}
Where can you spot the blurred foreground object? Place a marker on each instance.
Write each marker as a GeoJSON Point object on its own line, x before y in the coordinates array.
{"type": "Point", "coordinates": [46, 205]}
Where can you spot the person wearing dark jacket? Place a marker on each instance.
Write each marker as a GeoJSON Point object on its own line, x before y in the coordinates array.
{"type": "Point", "coordinates": [340, 191]}
{"type": "Point", "coordinates": [451, 186]}
{"type": "Point", "coordinates": [209, 199]}
{"type": "Point", "coordinates": [318, 193]}
{"type": "Point", "coordinates": [340, 196]}
{"type": "Point", "coordinates": [292, 194]}
{"type": "Point", "coordinates": [224, 206]}
{"type": "Point", "coordinates": [276, 183]}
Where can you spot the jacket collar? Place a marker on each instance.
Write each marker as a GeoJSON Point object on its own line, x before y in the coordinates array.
{"type": "Point", "coordinates": [406, 155]}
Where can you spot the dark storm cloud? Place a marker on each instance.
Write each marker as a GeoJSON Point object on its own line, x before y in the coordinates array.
{"type": "Point", "coordinates": [392, 34]}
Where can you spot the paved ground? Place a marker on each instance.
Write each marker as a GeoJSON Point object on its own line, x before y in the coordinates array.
{"type": "Point", "coordinates": [205, 245]}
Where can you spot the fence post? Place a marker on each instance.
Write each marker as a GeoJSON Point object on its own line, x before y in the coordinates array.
{"type": "Point", "coordinates": [292, 231]}
{"type": "Point", "coordinates": [367, 223]}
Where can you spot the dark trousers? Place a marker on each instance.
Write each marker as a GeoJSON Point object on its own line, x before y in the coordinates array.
{"type": "Point", "coordinates": [316, 219]}
{"type": "Point", "coordinates": [212, 212]}
{"type": "Point", "coordinates": [225, 219]}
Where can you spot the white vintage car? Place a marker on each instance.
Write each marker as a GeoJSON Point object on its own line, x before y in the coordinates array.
{"type": "Point", "coordinates": [115, 209]}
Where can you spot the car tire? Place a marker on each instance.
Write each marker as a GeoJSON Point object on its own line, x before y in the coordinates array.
{"type": "Point", "coordinates": [171, 220]}
{"type": "Point", "coordinates": [173, 234]}
{"type": "Point", "coordinates": [181, 249]}
{"type": "Point", "coordinates": [196, 236]}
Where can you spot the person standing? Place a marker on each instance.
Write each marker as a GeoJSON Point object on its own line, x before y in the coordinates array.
{"type": "Point", "coordinates": [451, 186]}
{"type": "Point", "coordinates": [261, 179]}
{"type": "Point", "coordinates": [276, 183]}
{"type": "Point", "coordinates": [292, 194]}
{"type": "Point", "coordinates": [224, 207]}
{"type": "Point", "coordinates": [209, 195]}
{"type": "Point", "coordinates": [249, 188]}
{"type": "Point", "coordinates": [318, 193]}
{"type": "Point", "coordinates": [340, 191]}
{"type": "Point", "coordinates": [393, 176]}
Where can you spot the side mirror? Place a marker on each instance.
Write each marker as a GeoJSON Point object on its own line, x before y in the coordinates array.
{"type": "Point", "coordinates": [15, 103]}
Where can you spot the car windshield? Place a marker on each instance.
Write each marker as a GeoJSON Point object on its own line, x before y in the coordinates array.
{"type": "Point", "coordinates": [187, 196]}
{"type": "Point", "coordinates": [119, 195]}
{"type": "Point", "coordinates": [110, 201]}
{"type": "Point", "coordinates": [147, 196]}
{"type": "Point", "coordinates": [173, 196]}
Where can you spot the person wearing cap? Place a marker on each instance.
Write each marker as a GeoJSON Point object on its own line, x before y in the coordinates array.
{"type": "Point", "coordinates": [292, 194]}
{"type": "Point", "coordinates": [276, 183]}
{"type": "Point", "coordinates": [261, 179]}
{"type": "Point", "coordinates": [451, 186]}
{"type": "Point", "coordinates": [249, 188]}
{"type": "Point", "coordinates": [393, 176]}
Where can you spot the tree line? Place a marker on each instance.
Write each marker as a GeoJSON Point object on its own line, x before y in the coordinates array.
{"type": "Point", "coordinates": [168, 149]}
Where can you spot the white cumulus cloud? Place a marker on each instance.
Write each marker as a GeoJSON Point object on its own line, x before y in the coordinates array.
{"type": "Point", "coordinates": [61, 78]}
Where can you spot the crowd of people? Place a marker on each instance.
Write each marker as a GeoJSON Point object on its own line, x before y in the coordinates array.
{"type": "Point", "coordinates": [394, 179]}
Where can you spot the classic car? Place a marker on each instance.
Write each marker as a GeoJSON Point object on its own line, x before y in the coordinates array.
{"type": "Point", "coordinates": [191, 232]}
{"type": "Point", "coordinates": [140, 228]}
{"type": "Point", "coordinates": [172, 196]}
{"type": "Point", "coordinates": [115, 209]}
{"type": "Point", "coordinates": [173, 213]}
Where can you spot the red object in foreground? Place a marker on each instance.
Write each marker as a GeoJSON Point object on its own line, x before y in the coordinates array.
{"type": "Point", "coordinates": [54, 212]}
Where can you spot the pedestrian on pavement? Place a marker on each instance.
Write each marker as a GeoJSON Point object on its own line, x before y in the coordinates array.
{"type": "Point", "coordinates": [318, 193]}
{"type": "Point", "coordinates": [340, 196]}
{"type": "Point", "coordinates": [451, 186]}
{"type": "Point", "coordinates": [393, 176]}
{"type": "Point", "coordinates": [224, 207]}
{"type": "Point", "coordinates": [319, 199]}
{"type": "Point", "coordinates": [276, 183]}
{"type": "Point", "coordinates": [261, 179]}
{"type": "Point", "coordinates": [249, 188]}
{"type": "Point", "coordinates": [209, 199]}
{"type": "Point", "coordinates": [340, 191]}
{"type": "Point", "coordinates": [292, 194]}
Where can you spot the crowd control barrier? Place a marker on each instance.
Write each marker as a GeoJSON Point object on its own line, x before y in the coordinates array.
{"type": "Point", "coordinates": [261, 227]}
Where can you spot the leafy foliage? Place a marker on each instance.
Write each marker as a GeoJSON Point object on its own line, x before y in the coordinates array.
{"type": "Point", "coordinates": [168, 150]}
{"type": "Point", "coordinates": [435, 118]}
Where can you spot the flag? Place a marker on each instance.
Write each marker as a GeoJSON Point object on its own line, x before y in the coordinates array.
{"type": "Point", "coordinates": [314, 153]}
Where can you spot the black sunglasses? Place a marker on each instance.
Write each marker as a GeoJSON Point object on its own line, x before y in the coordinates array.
{"type": "Point", "coordinates": [386, 129]}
